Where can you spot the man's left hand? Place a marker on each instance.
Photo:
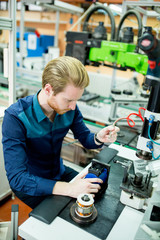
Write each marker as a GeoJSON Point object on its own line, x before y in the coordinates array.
{"type": "Point", "coordinates": [108, 134]}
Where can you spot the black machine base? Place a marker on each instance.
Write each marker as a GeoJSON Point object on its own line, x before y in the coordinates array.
{"type": "Point", "coordinates": [83, 220]}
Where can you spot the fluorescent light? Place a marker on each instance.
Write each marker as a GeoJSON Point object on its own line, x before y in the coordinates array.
{"type": "Point", "coordinates": [33, 7]}
{"type": "Point", "coordinates": [56, 5]}
{"type": "Point", "coordinates": [116, 8]}
{"type": "Point", "coordinates": [68, 6]}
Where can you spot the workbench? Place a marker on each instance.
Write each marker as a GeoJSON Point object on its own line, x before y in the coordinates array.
{"type": "Point", "coordinates": [114, 220]}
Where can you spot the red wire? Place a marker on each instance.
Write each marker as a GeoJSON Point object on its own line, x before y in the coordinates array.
{"type": "Point", "coordinates": [136, 114]}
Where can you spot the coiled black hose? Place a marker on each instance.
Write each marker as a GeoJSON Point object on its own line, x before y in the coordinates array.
{"type": "Point", "coordinates": [139, 19]}
{"type": "Point", "coordinates": [110, 14]}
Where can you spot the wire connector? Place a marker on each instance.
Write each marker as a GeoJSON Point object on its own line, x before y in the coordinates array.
{"type": "Point", "coordinates": [151, 119]}
{"type": "Point", "coordinates": [149, 145]}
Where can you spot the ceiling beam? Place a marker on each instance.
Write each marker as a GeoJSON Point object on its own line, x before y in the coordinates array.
{"type": "Point", "coordinates": [102, 1]}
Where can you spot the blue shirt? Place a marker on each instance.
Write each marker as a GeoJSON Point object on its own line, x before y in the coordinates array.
{"type": "Point", "coordinates": [32, 145]}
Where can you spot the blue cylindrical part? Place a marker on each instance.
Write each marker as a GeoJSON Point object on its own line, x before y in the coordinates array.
{"type": "Point", "coordinates": [102, 176]}
{"type": "Point", "coordinates": [90, 175]}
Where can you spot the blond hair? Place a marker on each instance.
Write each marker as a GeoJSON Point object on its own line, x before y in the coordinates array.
{"type": "Point", "coordinates": [65, 70]}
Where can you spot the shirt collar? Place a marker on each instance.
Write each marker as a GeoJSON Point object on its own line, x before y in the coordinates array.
{"type": "Point", "coordinates": [37, 108]}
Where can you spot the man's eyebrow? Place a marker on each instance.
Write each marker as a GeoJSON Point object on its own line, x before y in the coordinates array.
{"type": "Point", "coordinates": [70, 99]}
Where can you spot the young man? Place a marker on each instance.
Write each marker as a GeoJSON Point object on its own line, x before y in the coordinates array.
{"type": "Point", "coordinates": [33, 130]}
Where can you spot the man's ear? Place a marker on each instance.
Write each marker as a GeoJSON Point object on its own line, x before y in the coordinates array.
{"type": "Point", "coordinates": [48, 89]}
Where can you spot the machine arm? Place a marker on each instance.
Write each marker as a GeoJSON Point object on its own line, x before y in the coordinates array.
{"type": "Point", "coordinates": [148, 138]}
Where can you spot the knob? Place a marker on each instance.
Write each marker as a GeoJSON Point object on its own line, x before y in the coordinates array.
{"type": "Point", "coordinates": [116, 91]}
{"type": "Point", "coordinates": [138, 179]}
{"type": "Point", "coordinates": [127, 92]}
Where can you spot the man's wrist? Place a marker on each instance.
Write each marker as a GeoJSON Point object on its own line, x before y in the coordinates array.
{"type": "Point", "coordinates": [97, 140]}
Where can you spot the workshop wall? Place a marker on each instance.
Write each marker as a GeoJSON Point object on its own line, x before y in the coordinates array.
{"type": "Point", "coordinates": [44, 23]}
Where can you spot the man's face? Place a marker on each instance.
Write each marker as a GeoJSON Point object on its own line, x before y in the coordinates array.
{"type": "Point", "coordinates": [66, 100]}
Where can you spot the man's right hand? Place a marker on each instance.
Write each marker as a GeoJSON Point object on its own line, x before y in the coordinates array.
{"type": "Point", "coordinates": [78, 186]}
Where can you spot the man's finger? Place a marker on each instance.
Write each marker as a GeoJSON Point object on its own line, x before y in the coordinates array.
{"type": "Point", "coordinates": [95, 180]}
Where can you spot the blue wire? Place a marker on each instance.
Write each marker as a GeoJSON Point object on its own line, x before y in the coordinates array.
{"type": "Point", "coordinates": [149, 128]}
{"type": "Point", "coordinates": [155, 158]}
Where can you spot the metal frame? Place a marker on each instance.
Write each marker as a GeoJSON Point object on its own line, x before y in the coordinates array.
{"type": "Point", "coordinates": [12, 53]}
{"type": "Point", "coordinates": [138, 5]}
{"type": "Point", "coordinates": [10, 24]}
{"type": "Point", "coordinates": [58, 6]}
{"type": "Point", "coordinates": [14, 221]}
{"type": "Point", "coordinates": [11, 227]}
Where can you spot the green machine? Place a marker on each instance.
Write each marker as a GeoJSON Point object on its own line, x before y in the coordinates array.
{"type": "Point", "coordinates": [123, 54]}
{"type": "Point", "coordinates": [93, 47]}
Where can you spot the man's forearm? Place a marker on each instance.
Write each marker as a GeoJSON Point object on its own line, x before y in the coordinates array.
{"type": "Point", "coordinates": [62, 188]}
{"type": "Point", "coordinates": [78, 186]}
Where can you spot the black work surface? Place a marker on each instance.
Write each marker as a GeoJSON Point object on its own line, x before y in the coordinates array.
{"type": "Point", "coordinates": [126, 135]}
{"type": "Point", "coordinates": [108, 206]}
{"type": "Point", "coordinates": [53, 205]}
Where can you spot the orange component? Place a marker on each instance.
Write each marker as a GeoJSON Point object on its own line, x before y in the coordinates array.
{"type": "Point", "coordinates": [78, 41]}
{"type": "Point", "coordinates": [83, 205]}
{"type": "Point", "coordinates": [152, 64]}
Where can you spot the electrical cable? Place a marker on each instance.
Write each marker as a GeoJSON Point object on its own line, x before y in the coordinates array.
{"type": "Point", "coordinates": [149, 135]}
{"type": "Point", "coordinates": [139, 19]}
{"type": "Point", "coordinates": [150, 144]}
{"type": "Point", "coordinates": [131, 120]}
{"type": "Point", "coordinates": [155, 158]}
{"type": "Point", "coordinates": [110, 14]}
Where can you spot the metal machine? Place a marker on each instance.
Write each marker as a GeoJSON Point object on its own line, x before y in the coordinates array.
{"type": "Point", "coordinates": [84, 211]}
{"type": "Point", "coordinates": [119, 52]}
{"type": "Point", "coordinates": [148, 142]}
{"type": "Point", "coordinates": [136, 188]}
{"type": "Point", "coordinates": [100, 170]}
{"type": "Point", "coordinates": [93, 48]}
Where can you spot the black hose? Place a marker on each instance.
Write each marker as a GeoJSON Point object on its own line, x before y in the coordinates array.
{"type": "Point", "coordinates": [139, 19]}
{"type": "Point", "coordinates": [110, 14]}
